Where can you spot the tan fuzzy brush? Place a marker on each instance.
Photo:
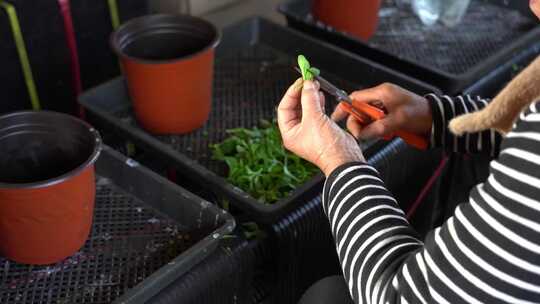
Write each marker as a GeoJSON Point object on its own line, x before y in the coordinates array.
{"type": "Point", "coordinates": [503, 111]}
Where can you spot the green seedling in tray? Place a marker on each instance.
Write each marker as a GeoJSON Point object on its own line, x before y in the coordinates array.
{"type": "Point", "coordinates": [259, 164]}
{"type": "Point", "coordinates": [308, 72]}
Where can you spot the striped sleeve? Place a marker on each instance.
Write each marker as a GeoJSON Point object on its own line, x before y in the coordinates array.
{"type": "Point", "coordinates": [487, 252]}
{"type": "Point", "coordinates": [444, 109]}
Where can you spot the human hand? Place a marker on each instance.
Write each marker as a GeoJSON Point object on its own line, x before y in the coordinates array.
{"type": "Point", "coordinates": [535, 7]}
{"type": "Point", "coordinates": [406, 112]}
{"type": "Point", "coordinates": [309, 133]}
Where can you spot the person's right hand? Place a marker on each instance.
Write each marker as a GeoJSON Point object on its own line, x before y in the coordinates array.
{"type": "Point", "coordinates": [406, 112]}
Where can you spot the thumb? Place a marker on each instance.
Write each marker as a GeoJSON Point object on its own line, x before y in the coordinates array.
{"type": "Point", "coordinates": [311, 99]}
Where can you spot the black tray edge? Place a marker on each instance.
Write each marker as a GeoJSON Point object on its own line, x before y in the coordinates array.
{"type": "Point", "coordinates": [491, 83]}
{"type": "Point", "coordinates": [261, 22]}
{"type": "Point", "coordinates": [160, 279]}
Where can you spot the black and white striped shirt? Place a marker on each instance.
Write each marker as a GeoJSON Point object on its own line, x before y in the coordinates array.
{"type": "Point", "coordinates": [487, 252]}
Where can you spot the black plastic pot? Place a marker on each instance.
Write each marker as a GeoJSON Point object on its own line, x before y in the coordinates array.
{"type": "Point", "coordinates": [43, 148]}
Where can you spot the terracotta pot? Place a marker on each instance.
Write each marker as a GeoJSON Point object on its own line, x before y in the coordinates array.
{"type": "Point", "coordinates": [47, 185]}
{"type": "Point", "coordinates": [358, 18]}
{"type": "Point", "coordinates": [168, 62]}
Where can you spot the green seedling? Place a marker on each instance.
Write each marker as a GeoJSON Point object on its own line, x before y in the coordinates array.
{"type": "Point", "coordinates": [259, 164]}
{"type": "Point", "coordinates": [308, 72]}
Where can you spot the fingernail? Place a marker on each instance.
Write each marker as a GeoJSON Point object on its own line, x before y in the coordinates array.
{"type": "Point", "coordinates": [309, 85]}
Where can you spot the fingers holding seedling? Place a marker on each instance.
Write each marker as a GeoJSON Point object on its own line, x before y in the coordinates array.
{"type": "Point", "coordinates": [314, 71]}
{"type": "Point", "coordinates": [308, 72]}
{"type": "Point", "coordinates": [289, 110]}
{"type": "Point", "coordinates": [339, 113]}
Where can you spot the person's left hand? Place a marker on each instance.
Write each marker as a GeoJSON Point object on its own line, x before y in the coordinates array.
{"type": "Point", "coordinates": [309, 133]}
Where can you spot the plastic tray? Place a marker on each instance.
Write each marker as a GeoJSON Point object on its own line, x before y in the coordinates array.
{"type": "Point", "coordinates": [451, 59]}
{"type": "Point", "coordinates": [146, 233]}
{"type": "Point", "coordinates": [489, 85]}
{"type": "Point", "coordinates": [225, 277]}
{"type": "Point", "coordinates": [254, 66]}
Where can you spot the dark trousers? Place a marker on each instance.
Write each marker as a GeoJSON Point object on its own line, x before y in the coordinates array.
{"type": "Point", "coordinates": [331, 290]}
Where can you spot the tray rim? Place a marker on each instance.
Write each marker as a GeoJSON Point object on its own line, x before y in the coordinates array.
{"type": "Point", "coordinates": [184, 262]}
{"type": "Point", "coordinates": [499, 77]}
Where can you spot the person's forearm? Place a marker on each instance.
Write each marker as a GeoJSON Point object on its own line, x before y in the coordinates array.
{"type": "Point", "coordinates": [370, 229]}
{"type": "Point", "coordinates": [444, 109]}
{"type": "Point", "coordinates": [485, 253]}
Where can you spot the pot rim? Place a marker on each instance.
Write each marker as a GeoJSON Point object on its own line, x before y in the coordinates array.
{"type": "Point", "coordinates": [120, 52]}
{"type": "Point", "coordinates": [98, 147]}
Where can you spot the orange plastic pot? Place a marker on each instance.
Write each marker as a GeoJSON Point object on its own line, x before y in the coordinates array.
{"type": "Point", "coordinates": [168, 62]}
{"type": "Point", "coordinates": [358, 18]}
{"type": "Point", "coordinates": [47, 185]}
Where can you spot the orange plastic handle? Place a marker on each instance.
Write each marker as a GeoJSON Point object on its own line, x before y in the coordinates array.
{"type": "Point", "coordinates": [366, 114]}
{"type": "Point", "coordinates": [413, 140]}
{"type": "Point", "coordinates": [363, 118]}
{"type": "Point", "coordinates": [373, 112]}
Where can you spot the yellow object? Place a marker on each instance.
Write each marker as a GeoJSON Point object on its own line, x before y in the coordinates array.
{"type": "Point", "coordinates": [130, 149]}
{"type": "Point", "coordinates": [115, 18]}
{"type": "Point", "coordinates": [113, 10]}
{"type": "Point", "coordinates": [23, 54]}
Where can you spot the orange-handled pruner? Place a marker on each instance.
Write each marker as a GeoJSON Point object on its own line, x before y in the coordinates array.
{"type": "Point", "coordinates": [367, 114]}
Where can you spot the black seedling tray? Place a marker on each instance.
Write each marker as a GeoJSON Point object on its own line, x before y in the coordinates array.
{"type": "Point", "coordinates": [254, 66]}
{"type": "Point", "coordinates": [146, 233]}
{"type": "Point", "coordinates": [497, 79]}
{"type": "Point", "coordinates": [449, 58]}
